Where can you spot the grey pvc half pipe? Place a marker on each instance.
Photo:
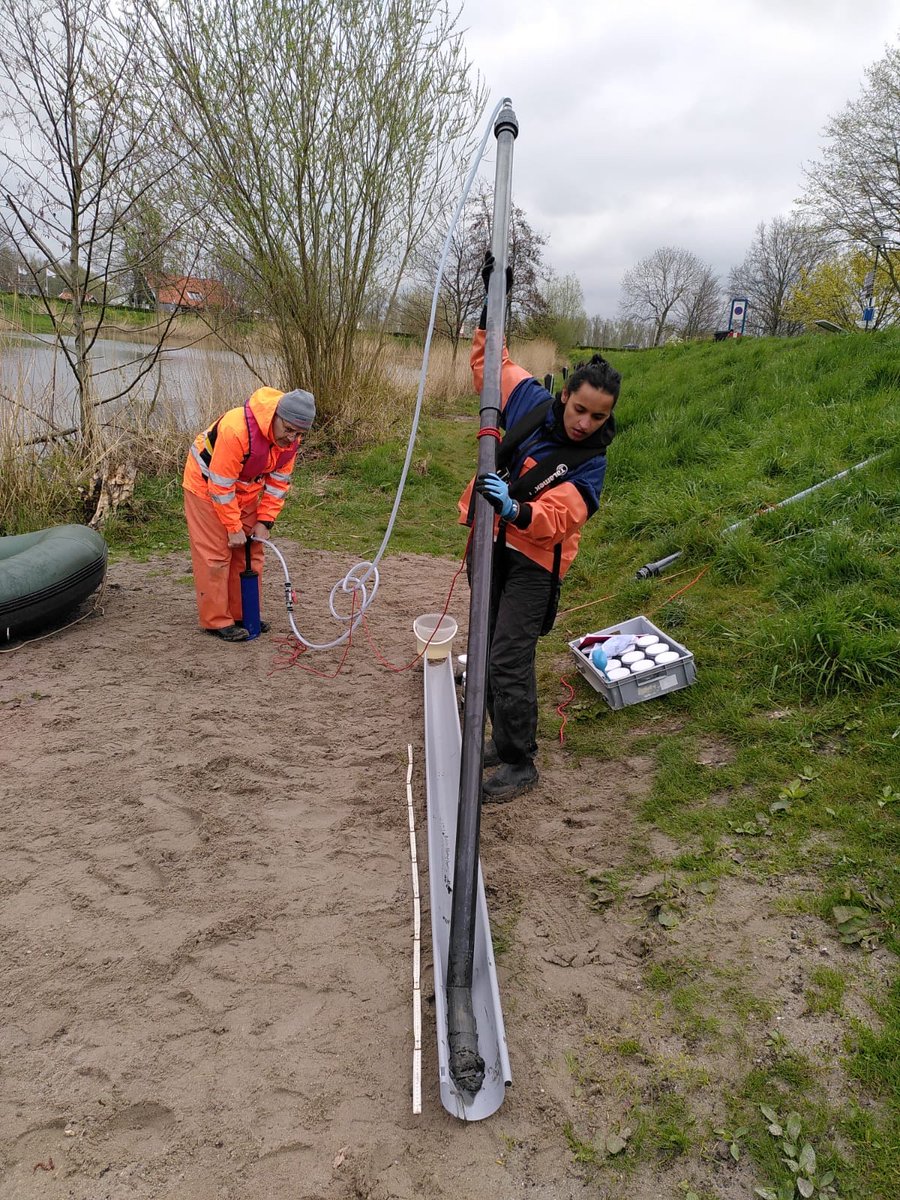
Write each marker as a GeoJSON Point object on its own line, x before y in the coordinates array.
{"type": "Point", "coordinates": [443, 749]}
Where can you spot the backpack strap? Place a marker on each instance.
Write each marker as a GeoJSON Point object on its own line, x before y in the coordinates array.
{"type": "Point", "coordinates": [209, 441]}
{"type": "Point", "coordinates": [551, 470]}
{"type": "Point", "coordinates": [523, 428]}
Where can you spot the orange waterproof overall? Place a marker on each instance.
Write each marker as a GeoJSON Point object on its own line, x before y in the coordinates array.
{"type": "Point", "coordinates": [234, 477]}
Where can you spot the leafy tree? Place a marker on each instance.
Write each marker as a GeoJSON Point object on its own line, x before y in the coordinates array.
{"type": "Point", "coordinates": [780, 254]}
{"type": "Point", "coordinates": [853, 190]}
{"type": "Point", "coordinates": [835, 288]}
{"type": "Point", "coordinates": [325, 140]}
{"type": "Point", "coordinates": [10, 264]}
{"type": "Point", "coordinates": [671, 290]}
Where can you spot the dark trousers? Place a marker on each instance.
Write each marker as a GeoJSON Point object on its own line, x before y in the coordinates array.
{"type": "Point", "coordinates": [520, 598]}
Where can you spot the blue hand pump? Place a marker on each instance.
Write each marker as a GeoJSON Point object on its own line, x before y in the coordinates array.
{"type": "Point", "coordinates": [250, 597]}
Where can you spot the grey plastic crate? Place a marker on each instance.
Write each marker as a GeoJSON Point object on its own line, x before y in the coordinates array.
{"type": "Point", "coordinates": [667, 678]}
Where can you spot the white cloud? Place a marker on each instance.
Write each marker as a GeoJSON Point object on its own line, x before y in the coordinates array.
{"type": "Point", "coordinates": [647, 123]}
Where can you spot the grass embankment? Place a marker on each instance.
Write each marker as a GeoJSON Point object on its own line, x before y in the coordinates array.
{"type": "Point", "coordinates": [794, 625]}
{"type": "Point", "coordinates": [793, 620]}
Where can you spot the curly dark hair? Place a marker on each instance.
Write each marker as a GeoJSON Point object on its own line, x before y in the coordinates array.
{"type": "Point", "coordinates": [598, 373]}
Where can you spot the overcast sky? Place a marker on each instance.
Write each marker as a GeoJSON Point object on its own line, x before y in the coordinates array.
{"type": "Point", "coordinates": [645, 123]}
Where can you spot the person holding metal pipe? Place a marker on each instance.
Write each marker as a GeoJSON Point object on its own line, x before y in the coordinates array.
{"type": "Point", "coordinates": [236, 478]}
{"type": "Point", "coordinates": [551, 464]}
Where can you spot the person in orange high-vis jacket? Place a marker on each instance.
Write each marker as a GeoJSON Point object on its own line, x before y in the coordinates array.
{"type": "Point", "coordinates": [236, 478]}
{"type": "Point", "coordinates": [550, 469]}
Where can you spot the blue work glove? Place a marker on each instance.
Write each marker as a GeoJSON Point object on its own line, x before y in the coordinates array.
{"type": "Point", "coordinates": [497, 494]}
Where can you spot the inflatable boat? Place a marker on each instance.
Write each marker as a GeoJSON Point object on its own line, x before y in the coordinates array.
{"type": "Point", "coordinates": [43, 575]}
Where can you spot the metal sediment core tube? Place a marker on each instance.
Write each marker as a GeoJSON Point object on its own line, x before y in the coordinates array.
{"type": "Point", "coordinates": [466, 1064]}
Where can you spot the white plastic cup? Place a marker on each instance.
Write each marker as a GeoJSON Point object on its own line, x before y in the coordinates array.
{"type": "Point", "coordinates": [656, 649]}
{"type": "Point", "coordinates": [644, 639]}
{"type": "Point", "coordinates": [617, 673]}
{"type": "Point", "coordinates": [632, 656]}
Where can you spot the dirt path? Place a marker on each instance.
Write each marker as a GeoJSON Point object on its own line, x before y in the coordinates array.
{"type": "Point", "coordinates": [206, 917]}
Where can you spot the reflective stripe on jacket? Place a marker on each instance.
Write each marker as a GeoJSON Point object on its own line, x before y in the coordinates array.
{"type": "Point", "coordinates": [559, 513]}
{"type": "Point", "coordinates": [236, 465]}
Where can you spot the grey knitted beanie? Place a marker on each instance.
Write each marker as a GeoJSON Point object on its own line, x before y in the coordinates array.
{"type": "Point", "coordinates": [297, 407]}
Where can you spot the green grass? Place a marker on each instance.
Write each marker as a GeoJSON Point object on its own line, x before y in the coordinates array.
{"type": "Point", "coordinates": [28, 313]}
{"type": "Point", "coordinates": [827, 992]}
{"type": "Point", "coordinates": [793, 621]}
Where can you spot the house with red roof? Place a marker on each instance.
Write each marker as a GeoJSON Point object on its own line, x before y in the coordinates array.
{"type": "Point", "coordinates": [189, 293]}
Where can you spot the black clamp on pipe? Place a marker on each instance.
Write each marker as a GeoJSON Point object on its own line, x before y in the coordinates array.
{"type": "Point", "coordinates": [506, 120]}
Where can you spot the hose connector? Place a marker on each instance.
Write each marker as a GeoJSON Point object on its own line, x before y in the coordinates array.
{"type": "Point", "coordinates": [656, 568]}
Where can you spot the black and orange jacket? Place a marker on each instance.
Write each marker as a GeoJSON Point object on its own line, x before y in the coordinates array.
{"type": "Point", "coordinates": [237, 466]}
{"type": "Point", "coordinates": [556, 517]}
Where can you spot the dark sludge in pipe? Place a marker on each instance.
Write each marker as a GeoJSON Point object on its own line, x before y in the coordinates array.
{"type": "Point", "coordinates": [466, 1064]}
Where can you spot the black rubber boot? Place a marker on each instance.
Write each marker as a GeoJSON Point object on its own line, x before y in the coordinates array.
{"type": "Point", "coordinates": [230, 633]}
{"type": "Point", "coordinates": [509, 780]}
{"type": "Point", "coordinates": [264, 626]}
{"type": "Point", "coordinates": [491, 757]}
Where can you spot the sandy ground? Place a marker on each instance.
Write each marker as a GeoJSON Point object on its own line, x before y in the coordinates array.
{"type": "Point", "coordinates": [206, 919]}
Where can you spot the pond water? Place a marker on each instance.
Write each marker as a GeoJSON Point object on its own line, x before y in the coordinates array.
{"type": "Point", "coordinates": [189, 381]}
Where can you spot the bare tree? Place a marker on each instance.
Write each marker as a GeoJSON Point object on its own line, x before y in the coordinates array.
{"type": "Point", "coordinates": [323, 140]}
{"type": "Point", "coordinates": [853, 190]}
{"type": "Point", "coordinates": [78, 164]}
{"type": "Point", "coordinates": [780, 255]}
{"type": "Point", "coordinates": [698, 310]}
{"type": "Point", "coordinates": [670, 289]}
{"type": "Point", "coordinates": [525, 301]}
{"type": "Point", "coordinates": [462, 290]}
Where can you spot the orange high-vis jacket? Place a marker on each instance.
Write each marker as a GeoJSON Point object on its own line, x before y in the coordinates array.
{"type": "Point", "coordinates": [236, 465]}
{"type": "Point", "coordinates": [557, 515]}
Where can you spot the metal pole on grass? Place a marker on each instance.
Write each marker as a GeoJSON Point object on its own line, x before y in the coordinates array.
{"type": "Point", "coordinates": [466, 1065]}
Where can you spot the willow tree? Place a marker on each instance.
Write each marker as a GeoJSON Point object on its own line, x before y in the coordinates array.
{"type": "Point", "coordinates": [324, 138]}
